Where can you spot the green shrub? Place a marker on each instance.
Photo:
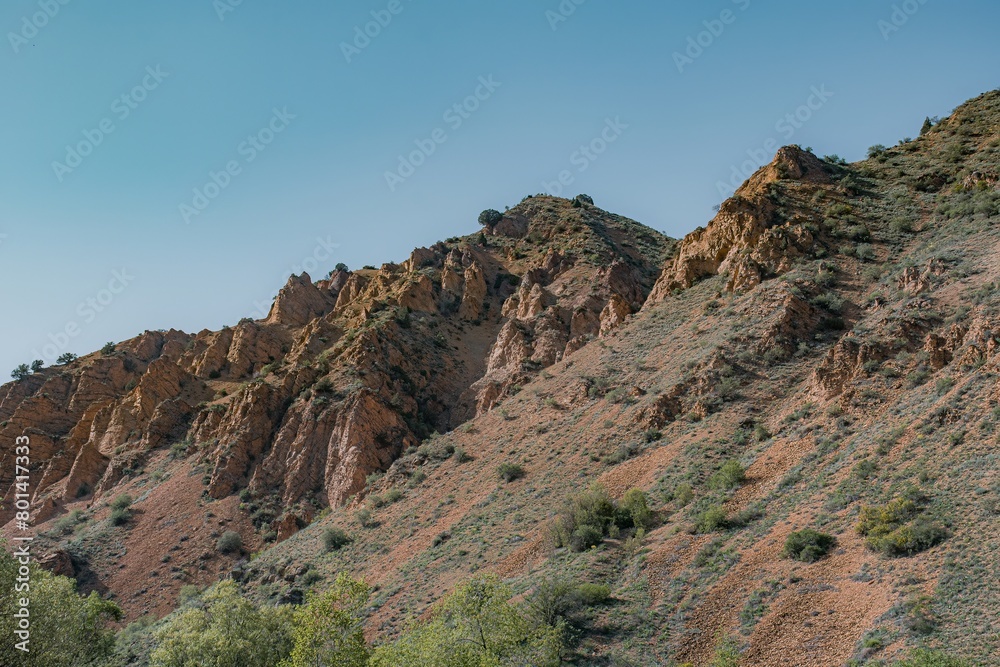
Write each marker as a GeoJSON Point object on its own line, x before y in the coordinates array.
{"type": "Point", "coordinates": [66, 358]}
{"type": "Point", "coordinates": [808, 545]}
{"type": "Point", "coordinates": [636, 505]}
{"type": "Point", "coordinates": [230, 542]}
{"type": "Point", "coordinates": [898, 529]}
{"type": "Point", "coordinates": [876, 151]}
{"type": "Point", "coordinates": [364, 517]}
{"type": "Point", "coordinates": [593, 594]}
{"type": "Point", "coordinates": [510, 472]}
{"type": "Point", "coordinates": [729, 476]}
{"type": "Point", "coordinates": [592, 508]}
{"type": "Point", "coordinates": [683, 494]}
{"type": "Point", "coordinates": [585, 537]}
{"type": "Point", "coordinates": [335, 539]}
{"type": "Point", "coordinates": [108, 348]}
{"type": "Point", "coordinates": [712, 519]}
{"type": "Point", "coordinates": [727, 654]}
{"type": "Point", "coordinates": [122, 502]}
{"type": "Point", "coordinates": [119, 516]}
{"type": "Point", "coordinates": [925, 658]}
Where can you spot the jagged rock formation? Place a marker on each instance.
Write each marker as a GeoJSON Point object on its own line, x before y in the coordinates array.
{"type": "Point", "coordinates": [343, 374]}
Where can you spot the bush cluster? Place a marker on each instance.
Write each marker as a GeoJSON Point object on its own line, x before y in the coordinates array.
{"type": "Point", "coordinates": [808, 545]}
{"type": "Point", "coordinates": [899, 528]}
{"type": "Point", "coordinates": [589, 517]}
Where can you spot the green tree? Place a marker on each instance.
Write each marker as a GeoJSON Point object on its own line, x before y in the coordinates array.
{"type": "Point", "coordinates": [490, 218]}
{"type": "Point", "coordinates": [475, 626]}
{"type": "Point", "coordinates": [20, 372]}
{"type": "Point", "coordinates": [225, 630]}
{"type": "Point", "coordinates": [66, 358]}
{"type": "Point", "coordinates": [636, 505]}
{"type": "Point", "coordinates": [67, 629]}
{"type": "Point", "coordinates": [328, 629]}
{"type": "Point", "coordinates": [37, 365]}
{"type": "Point", "coordinates": [927, 126]}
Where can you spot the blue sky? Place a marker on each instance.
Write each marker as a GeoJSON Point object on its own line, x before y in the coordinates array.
{"type": "Point", "coordinates": [115, 115]}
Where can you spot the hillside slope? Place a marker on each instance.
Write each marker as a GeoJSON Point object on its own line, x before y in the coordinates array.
{"type": "Point", "coordinates": [834, 331]}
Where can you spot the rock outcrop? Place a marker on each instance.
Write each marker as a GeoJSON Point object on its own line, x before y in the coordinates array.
{"type": "Point", "coordinates": [750, 238]}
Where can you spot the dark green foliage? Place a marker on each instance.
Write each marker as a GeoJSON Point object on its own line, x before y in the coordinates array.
{"type": "Point", "coordinates": [108, 348]}
{"type": "Point", "coordinates": [66, 358]}
{"type": "Point", "coordinates": [37, 365]}
{"type": "Point", "coordinates": [122, 502]}
{"type": "Point", "coordinates": [119, 517]}
{"type": "Point", "coordinates": [510, 472]}
{"type": "Point", "coordinates": [585, 537]}
{"type": "Point", "coordinates": [334, 539]}
{"type": "Point", "coordinates": [20, 372]}
{"type": "Point", "coordinates": [729, 476]}
{"type": "Point", "coordinates": [230, 542]}
{"type": "Point", "coordinates": [490, 218]}
{"type": "Point", "coordinates": [808, 545]}
{"type": "Point", "coordinates": [877, 151]}
{"type": "Point", "coordinates": [590, 516]}
{"type": "Point", "coordinates": [712, 519]}
{"type": "Point", "coordinates": [636, 505]}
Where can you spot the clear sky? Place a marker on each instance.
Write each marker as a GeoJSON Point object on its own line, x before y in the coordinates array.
{"type": "Point", "coordinates": [286, 118]}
